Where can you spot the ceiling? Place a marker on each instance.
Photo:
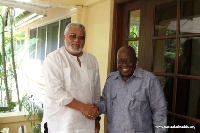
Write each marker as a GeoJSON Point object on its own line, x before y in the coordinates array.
{"type": "Point", "coordinates": [39, 6]}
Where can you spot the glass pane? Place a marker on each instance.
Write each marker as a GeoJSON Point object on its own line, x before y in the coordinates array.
{"type": "Point", "coordinates": [52, 37]}
{"type": "Point", "coordinates": [165, 19]}
{"type": "Point", "coordinates": [41, 44]}
{"type": "Point", "coordinates": [188, 97]}
{"type": "Point", "coordinates": [63, 24]}
{"type": "Point", "coordinates": [32, 49]}
{"type": "Point", "coordinates": [167, 84]}
{"type": "Point", "coordinates": [189, 55]}
{"type": "Point", "coordinates": [187, 126]}
{"type": "Point", "coordinates": [135, 45]}
{"type": "Point", "coordinates": [190, 16]}
{"type": "Point", "coordinates": [134, 24]}
{"type": "Point", "coordinates": [164, 55]}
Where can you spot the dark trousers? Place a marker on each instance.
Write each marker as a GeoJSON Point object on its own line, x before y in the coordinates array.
{"type": "Point", "coordinates": [45, 128]}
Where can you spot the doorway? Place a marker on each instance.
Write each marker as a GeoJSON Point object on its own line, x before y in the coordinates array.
{"type": "Point", "coordinates": [166, 37]}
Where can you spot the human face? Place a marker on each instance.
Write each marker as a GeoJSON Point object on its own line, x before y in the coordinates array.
{"type": "Point", "coordinates": [74, 40]}
{"type": "Point", "coordinates": [126, 64]}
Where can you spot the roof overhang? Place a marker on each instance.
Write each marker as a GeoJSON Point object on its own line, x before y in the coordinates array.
{"type": "Point", "coordinates": [40, 9]}
{"type": "Point", "coordinates": [41, 6]}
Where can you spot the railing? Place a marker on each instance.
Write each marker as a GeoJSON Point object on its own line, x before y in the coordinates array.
{"type": "Point", "coordinates": [14, 120]}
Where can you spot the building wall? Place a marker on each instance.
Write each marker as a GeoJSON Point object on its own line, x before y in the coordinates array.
{"type": "Point", "coordinates": [99, 33]}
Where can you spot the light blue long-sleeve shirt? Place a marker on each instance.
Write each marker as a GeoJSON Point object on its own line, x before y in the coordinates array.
{"type": "Point", "coordinates": [135, 106]}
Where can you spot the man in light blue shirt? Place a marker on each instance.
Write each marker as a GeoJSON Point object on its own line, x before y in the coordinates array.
{"type": "Point", "coordinates": [133, 98]}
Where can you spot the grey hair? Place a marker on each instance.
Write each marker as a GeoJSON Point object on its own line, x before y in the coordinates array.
{"type": "Point", "coordinates": [74, 25]}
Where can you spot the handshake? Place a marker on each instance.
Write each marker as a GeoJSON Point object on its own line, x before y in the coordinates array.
{"type": "Point", "coordinates": [90, 111]}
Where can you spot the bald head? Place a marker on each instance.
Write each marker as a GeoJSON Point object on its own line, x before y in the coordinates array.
{"type": "Point", "coordinates": [126, 62]}
{"type": "Point", "coordinates": [127, 49]}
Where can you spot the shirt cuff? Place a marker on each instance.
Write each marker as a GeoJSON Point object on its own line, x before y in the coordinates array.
{"type": "Point", "coordinates": [66, 101]}
{"type": "Point", "coordinates": [100, 108]}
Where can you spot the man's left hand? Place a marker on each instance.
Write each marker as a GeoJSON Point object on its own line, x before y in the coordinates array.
{"type": "Point", "coordinates": [91, 111]}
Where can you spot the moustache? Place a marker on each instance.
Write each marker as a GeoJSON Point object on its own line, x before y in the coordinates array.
{"type": "Point", "coordinates": [75, 43]}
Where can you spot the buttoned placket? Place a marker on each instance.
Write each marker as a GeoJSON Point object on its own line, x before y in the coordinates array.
{"type": "Point", "coordinates": [124, 99]}
{"type": "Point", "coordinates": [124, 94]}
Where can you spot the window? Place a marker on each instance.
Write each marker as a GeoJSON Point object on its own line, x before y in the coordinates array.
{"type": "Point", "coordinates": [40, 54]}
{"type": "Point", "coordinates": [62, 29]}
{"type": "Point", "coordinates": [176, 50]}
{"type": "Point", "coordinates": [33, 34]}
{"type": "Point", "coordinates": [126, 29]}
{"type": "Point", "coordinates": [50, 37]}
{"type": "Point", "coordinates": [134, 28]}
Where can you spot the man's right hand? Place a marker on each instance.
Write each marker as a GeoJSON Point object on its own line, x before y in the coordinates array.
{"type": "Point", "coordinates": [90, 111]}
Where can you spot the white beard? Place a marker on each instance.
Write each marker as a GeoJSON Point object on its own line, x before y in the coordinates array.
{"type": "Point", "coordinates": [73, 51]}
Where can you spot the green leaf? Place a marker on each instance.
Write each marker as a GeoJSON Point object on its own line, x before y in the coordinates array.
{"type": "Point", "coordinates": [2, 109]}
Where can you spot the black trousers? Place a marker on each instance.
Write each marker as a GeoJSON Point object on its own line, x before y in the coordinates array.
{"type": "Point", "coordinates": [45, 128]}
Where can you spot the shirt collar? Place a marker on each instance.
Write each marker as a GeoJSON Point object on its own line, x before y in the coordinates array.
{"type": "Point", "coordinates": [137, 73]}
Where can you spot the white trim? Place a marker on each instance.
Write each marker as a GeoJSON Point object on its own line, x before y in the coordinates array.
{"type": "Point", "coordinates": [36, 44]}
{"type": "Point", "coordinates": [26, 19]}
{"type": "Point", "coordinates": [51, 21]}
{"type": "Point", "coordinates": [29, 21]}
{"type": "Point", "coordinates": [59, 23]}
{"type": "Point", "coordinates": [45, 44]}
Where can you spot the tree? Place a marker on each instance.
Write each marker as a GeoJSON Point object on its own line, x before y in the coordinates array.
{"type": "Point", "coordinates": [8, 74]}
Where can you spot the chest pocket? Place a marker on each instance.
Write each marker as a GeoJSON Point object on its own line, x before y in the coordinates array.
{"type": "Point", "coordinates": [113, 110]}
{"type": "Point", "coordinates": [138, 103]}
{"type": "Point", "coordinates": [113, 99]}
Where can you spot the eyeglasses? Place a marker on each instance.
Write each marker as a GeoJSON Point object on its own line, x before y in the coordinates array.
{"type": "Point", "coordinates": [74, 36]}
{"type": "Point", "coordinates": [128, 61]}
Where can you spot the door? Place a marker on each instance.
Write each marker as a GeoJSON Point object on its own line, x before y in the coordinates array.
{"type": "Point", "coordinates": [166, 37]}
{"type": "Point", "coordinates": [175, 60]}
{"type": "Point", "coordinates": [126, 27]}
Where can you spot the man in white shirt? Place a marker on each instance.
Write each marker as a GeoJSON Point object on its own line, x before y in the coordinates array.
{"type": "Point", "coordinates": [72, 86]}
